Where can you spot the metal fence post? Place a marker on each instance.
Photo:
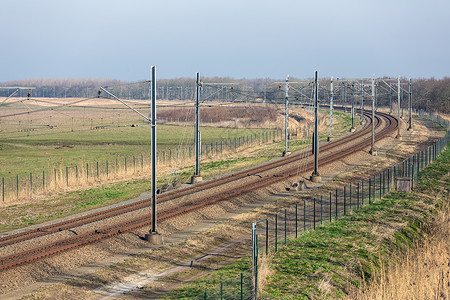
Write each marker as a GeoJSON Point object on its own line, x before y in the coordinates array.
{"type": "Point", "coordinates": [350, 197]}
{"type": "Point", "coordinates": [296, 220]}
{"type": "Point", "coordinates": [285, 226]}
{"type": "Point", "coordinates": [321, 209]}
{"type": "Point", "coordinates": [267, 236]}
{"type": "Point", "coordinates": [362, 192]}
{"type": "Point", "coordinates": [357, 196]}
{"type": "Point", "coordinates": [336, 206]}
{"type": "Point", "coordinates": [370, 192]}
{"type": "Point", "coordinates": [345, 202]}
{"type": "Point", "coordinates": [330, 208]}
{"type": "Point", "coordinates": [380, 186]}
{"type": "Point", "coordinates": [276, 232]}
{"type": "Point", "coordinates": [304, 215]}
{"type": "Point", "coordinates": [242, 286]}
{"type": "Point", "coordinates": [314, 214]}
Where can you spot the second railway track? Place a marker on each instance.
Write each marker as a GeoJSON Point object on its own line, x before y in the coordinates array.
{"type": "Point", "coordinates": [329, 152]}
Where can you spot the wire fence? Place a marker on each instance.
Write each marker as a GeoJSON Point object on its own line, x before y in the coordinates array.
{"type": "Point", "coordinates": [27, 185]}
{"type": "Point", "coordinates": [272, 233]}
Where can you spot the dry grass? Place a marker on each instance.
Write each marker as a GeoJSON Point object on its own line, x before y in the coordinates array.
{"type": "Point", "coordinates": [421, 273]}
{"type": "Point", "coordinates": [264, 271]}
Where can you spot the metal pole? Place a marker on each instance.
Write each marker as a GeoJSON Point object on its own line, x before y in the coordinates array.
{"type": "Point", "coordinates": [362, 103]}
{"type": "Point", "coordinates": [345, 97]}
{"type": "Point", "coordinates": [390, 98]}
{"type": "Point", "coordinates": [153, 117]}
{"type": "Point", "coordinates": [197, 120]}
{"type": "Point", "coordinates": [286, 129]}
{"type": "Point", "coordinates": [315, 177]}
{"type": "Point", "coordinates": [372, 149]}
{"type": "Point", "coordinates": [410, 106]}
{"type": "Point", "coordinates": [330, 137]}
{"type": "Point", "coordinates": [398, 108]}
{"type": "Point", "coordinates": [353, 107]}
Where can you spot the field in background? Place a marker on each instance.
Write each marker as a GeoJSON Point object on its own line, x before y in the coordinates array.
{"type": "Point", "coordinates": [59, 144]}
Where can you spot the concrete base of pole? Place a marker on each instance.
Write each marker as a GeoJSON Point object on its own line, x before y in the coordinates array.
{"type": "Point", "coordinates": [352, 129]}
{"type": "Point", "coordinates": [286, 153]}
{"type": "Point", "coordinates": [297, 186]}
{"type": "Point", "coordinates": [330, 138]}
{"type": "Point", "coordinates": [373, 152]}
{"type": "Point", "coordinates": [315, 178]}
{"type": "Point", "coordinates": [154, 238]}
{"type": "Point", "coordinates": [196, 178]}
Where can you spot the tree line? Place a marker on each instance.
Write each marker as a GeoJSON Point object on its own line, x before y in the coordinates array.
{"type": "Point", "coordinates": [428, 94]}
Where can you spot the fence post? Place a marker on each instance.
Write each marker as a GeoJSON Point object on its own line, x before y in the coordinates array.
{"type": "Point", "coordinates": [345, 202]}
{"type": "Point", "coordinates": [304, 215]}
{"type": "Point", "coordinates": [380, 186]}
{"type": "Point", "coordinates": [285, 226]}
{"type": "Point", "coordinates": [67, 176]}
{"type": "Point", "coordinates": [330, 208]}
{"type": "Point", "coordinates": [321, 209]}
{"type": "Point", "coordinates": [276, 232]}
{"type": "Point", "coordinates": [350, 197]}
{"type": "Point", "coordinates": [221, 290]}
{"type": "Point", "coordinates": [97, 169]}
{"type": "Point", "coordinates": [296, 220]}
{"type": "Point", "coordinates": [87, 171]}
{"type": "Point", "coordinates": [107, 168]}
{"type": "Point", "coordinates": [336, 205]}
{"type": "Point", "coordinates": [314, 213]}
{"type": "Point", "coordinates": [17, 184]}
{"type": "Point", "coordinates": [370, 192]}
{"type": "Point", "coordinates": [43, 180]}
{"type": "Point", "coordinates": [3, 188]}
{"type": "Point", "coordinates": [357, 197]}
{"type": "Point", "coordinates": [76, 172]}
{"type": "Point", "coordinates": [267, 236]}
{"type": "Point", "coordinates": [242, 286]}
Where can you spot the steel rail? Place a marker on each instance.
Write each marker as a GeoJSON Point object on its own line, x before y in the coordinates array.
{"type": "Point", "coordinates": [112, 212]}
{"type": "Point", "coordinates": [96, 235]}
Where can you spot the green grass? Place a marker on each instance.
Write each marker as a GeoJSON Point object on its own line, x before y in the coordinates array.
{"type": "Point", "coordinates": [22, 154]}
{"type": "Point", "coordinates": [346, 253]}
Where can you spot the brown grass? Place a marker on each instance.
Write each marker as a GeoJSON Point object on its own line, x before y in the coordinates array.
{"type": "Point", "coordinates": [423, 272]}
{"type": "Point", "coordinates": [264, 271]}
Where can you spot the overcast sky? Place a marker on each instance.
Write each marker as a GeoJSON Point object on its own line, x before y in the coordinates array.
{"type": "Point", "coordinates": [121, 39]}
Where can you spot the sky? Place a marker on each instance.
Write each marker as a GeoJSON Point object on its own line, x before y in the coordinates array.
{"type": "Point", "coordinates": [122, 39]}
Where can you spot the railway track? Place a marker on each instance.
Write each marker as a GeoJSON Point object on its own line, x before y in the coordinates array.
{"type": "Point", "coordinates": [332, 151]}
